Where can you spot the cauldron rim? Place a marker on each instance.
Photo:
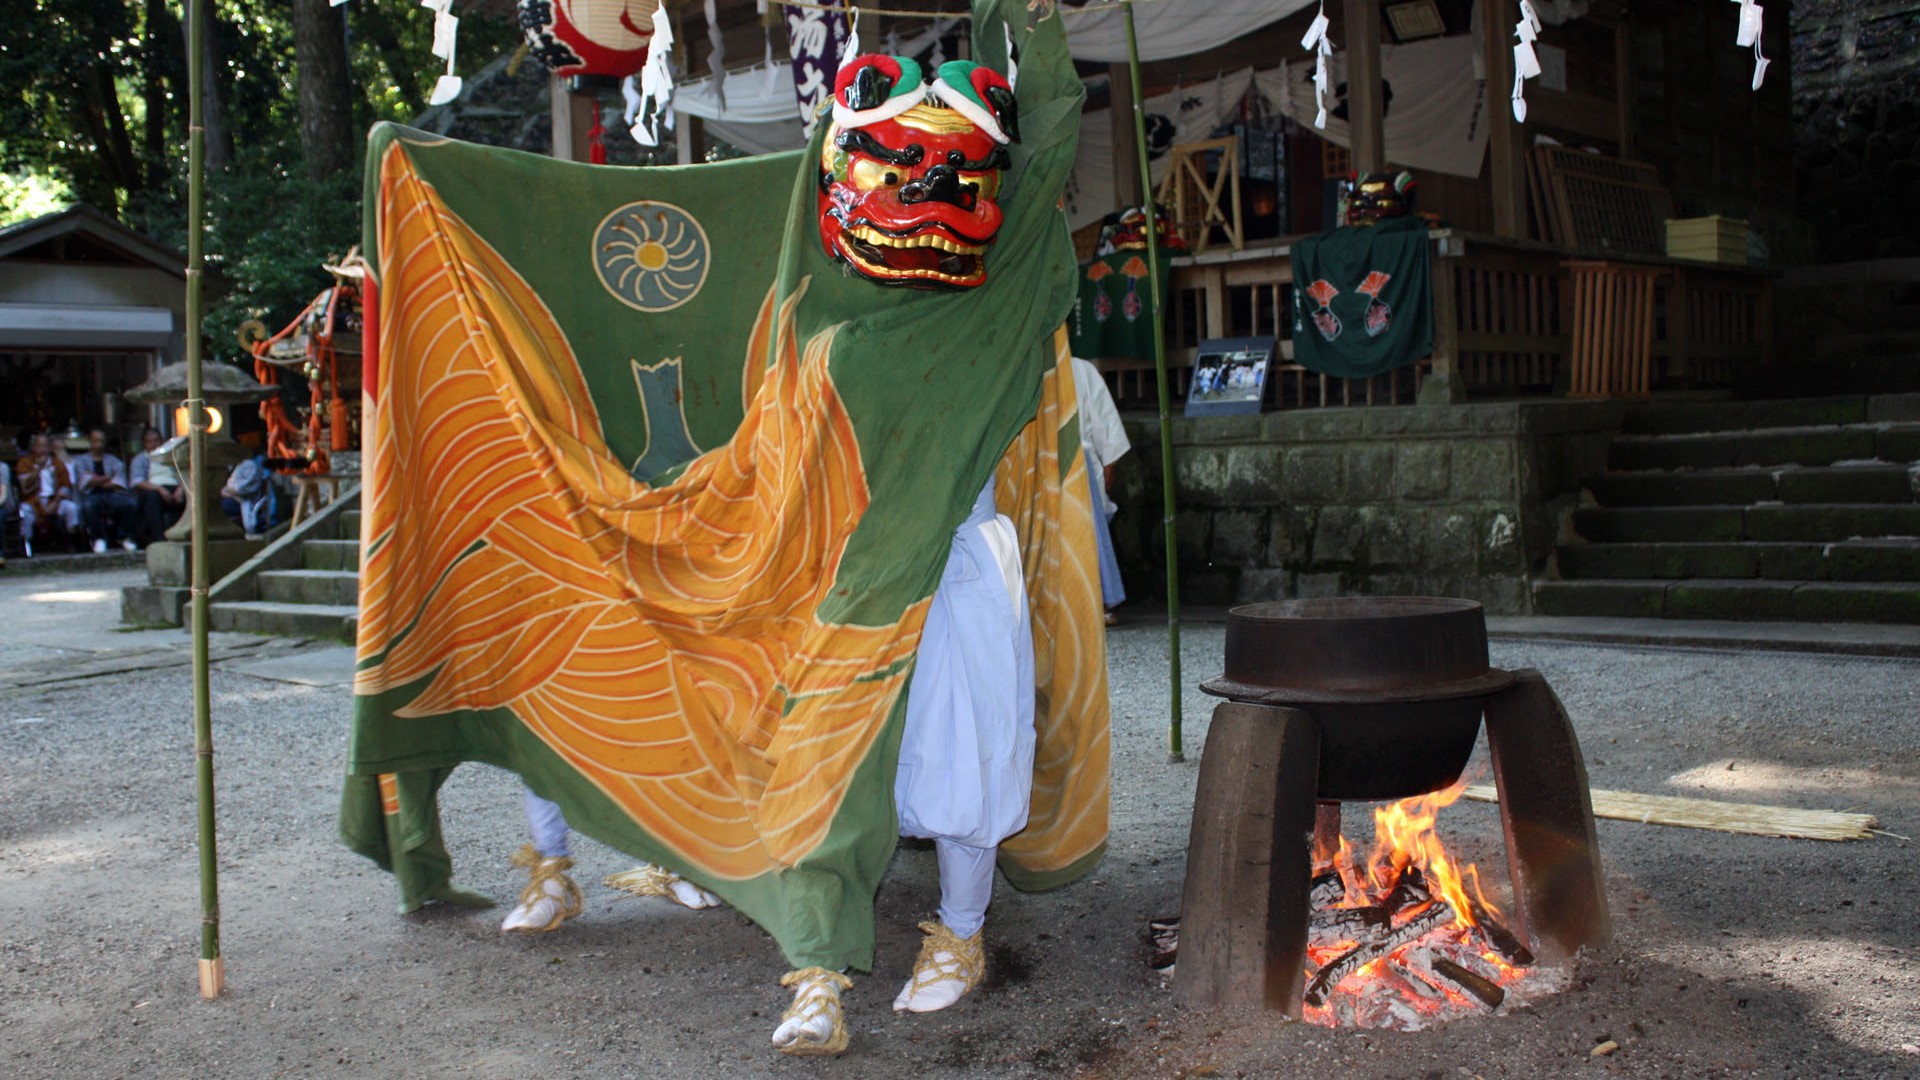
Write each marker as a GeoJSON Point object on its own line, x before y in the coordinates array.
{"type": "Point", "coordinates": [1490, 681]}
{"type": "Point", "coordinates": [1353, 608]}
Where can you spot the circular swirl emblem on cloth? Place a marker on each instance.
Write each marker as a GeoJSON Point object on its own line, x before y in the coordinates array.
{"type": "Point", "coordinates": [652, 256]}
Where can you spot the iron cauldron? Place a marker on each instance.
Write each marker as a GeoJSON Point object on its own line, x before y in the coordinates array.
{"type": "Point", "coordinates": [1395, 682]}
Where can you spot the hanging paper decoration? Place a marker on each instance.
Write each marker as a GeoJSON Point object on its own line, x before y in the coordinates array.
{"type": "Point", "coordinates": [589, 37]}
{"type": "Point", "coordinates": [1526, 64]}
{"type": "Point", "coordinates": [445, 25]}
{"type": "Point", "coordinates": [652, 110]}
{"type": "Point", "coordinates": [815, 38]}
{"type": "Point", "coordinates": [1316, 40]}
{"type": "Point", "coordinates": [717, 53]}
{"type": "Point", "coordinates": [1751, 21]}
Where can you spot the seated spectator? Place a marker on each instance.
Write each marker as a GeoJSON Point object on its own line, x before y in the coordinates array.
{"type": "Point", "coordinates": [9, 508]}
{"type": "Point", "coordinates": [156, 484]}
{"type": "Point", "coordinates": [46, 494]}
{"type": "Point", "coordinates": [108, 508]}
{"type": "Point", "coordinates": [248, 496]}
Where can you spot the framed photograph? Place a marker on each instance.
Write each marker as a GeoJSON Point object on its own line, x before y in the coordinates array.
{"type": "Point", "coordinates": [1229, 376]}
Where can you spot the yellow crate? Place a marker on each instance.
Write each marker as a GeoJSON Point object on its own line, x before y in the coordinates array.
{"type": "Point", "coordinates": [1708, 239]}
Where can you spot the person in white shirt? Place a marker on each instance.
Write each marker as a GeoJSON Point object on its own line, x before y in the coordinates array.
{"type": "Point", "coordinates": [157, 485]}
{"type": "Point", "coordinates": [107, 507]}
{"type": "Point", "coordinates": [1104, 438]}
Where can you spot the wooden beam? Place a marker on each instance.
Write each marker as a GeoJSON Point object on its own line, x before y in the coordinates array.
{"type": "Point", "coordinates": [1366, 107]}
{"type": "Point", "coordinates": [572, 118]}
{"type": "Point", "coordinates": [1126, 163]}
{"type": "Point", "coordinates": [1506, 141]}
{"type": "Point", "coordinates": [689, 139]}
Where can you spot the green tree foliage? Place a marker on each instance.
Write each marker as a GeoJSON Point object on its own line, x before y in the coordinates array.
{"type": "Point", "coordinates": [93, 105]}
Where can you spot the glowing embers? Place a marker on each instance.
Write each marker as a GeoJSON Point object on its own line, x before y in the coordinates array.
{"type": "Point", "coordinates": [1404, 938]}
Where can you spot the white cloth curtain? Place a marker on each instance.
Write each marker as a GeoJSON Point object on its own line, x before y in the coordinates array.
{"type": "Point", "coordinates": [1194, 111]}
{"type": "Point", "coordinates": [1170, 28]}
{"type": "Point", "coordinates": [1437, 119]}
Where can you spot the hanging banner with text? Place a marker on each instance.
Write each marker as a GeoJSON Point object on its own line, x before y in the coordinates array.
{"type": "Point", "coordinates": [815, 38]}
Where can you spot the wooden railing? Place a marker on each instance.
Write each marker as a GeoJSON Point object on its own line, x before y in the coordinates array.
{"type": "Point", "coordinates": [1503, 323]}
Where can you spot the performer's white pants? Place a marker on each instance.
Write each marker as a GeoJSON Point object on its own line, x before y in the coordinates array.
{"type": "Point", "coordinates": [966, 885]}
{"type": "Point", "coordinates": [548, 826]}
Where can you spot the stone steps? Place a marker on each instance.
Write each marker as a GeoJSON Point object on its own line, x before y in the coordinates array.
{"type": "Point", "coordinates": [1888, 483]}
{"type": "Point", "coordinates": [1778, 522]}
{"type": "Point", "coordinates": [340, 588]}
{"type": "Point", "coordinates": [1851, 560]}
{"type": "Point", "coordinates": [1811, 445]}
{"type": "Point", "coordinates": [321, 599]}
{"type": "Point", "coordinates": [1723, 598]}
{"type": "Point", "coordinates": [1805, 509]}
{"type": "Point", "coordinates": [331, 555]}
{"type": "Point", "coordinates": [331, 621]}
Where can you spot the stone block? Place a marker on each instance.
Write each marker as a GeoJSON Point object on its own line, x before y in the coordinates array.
{"type": "Point", "coordinates": [1257, 586]}
{"type": "Point", "coordinates": [1317, 586]}
{"type": "Point", "coordinates": [1501, 595]}
{"type": "Point", "coordinates": [1314, 476]}
{"type": "Point", "coordinates": [170, 563]}
{"type": "Point", "coordinates": [1500, 544]}
{"type": "Point", "coordinates": [1200, 475]}
{"type": "Point", "coordinates": [153, 605]}
{"type": "Point", "coordinates": [1219, 429]}
{"type": "Point", "coordinates": [1209, 588]}
{"type": "Point", "coordinates": [1452, 541]}
{"type": "Point", "coordinates": [1393, 537]}
{"type": "Point", "coordinates": [1239, 538]}
{"type": "Point", "coordinates": [1316, 425]}
{"type": "Point", "coordinates": [1499, 418]}
{"type": "Point", "coordinates": [1190, 537]}
{"type": "Point", "coordinates": [1421, 471]}
{"type": "Point", "coordinates": [1613, 599]}
{"type": "Point", "coordinates": [1417, 420]}
{"type": "Point", "coordinates": [1483, 469]}
{"type": "Point", "coordinates": [1370, 473]}
{"type": "Point", "coordinates": [1339, 536]}
{"type": "Point", "coordinates": [1254, 476]}
{"type": "Point", "coordinates": [1288, 532]}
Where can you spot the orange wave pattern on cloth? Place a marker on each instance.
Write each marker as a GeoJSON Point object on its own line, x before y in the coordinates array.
{"type": "Point", "coordinates": [1051, 513]}
{"type": "Point", "coordinates": [661, 640]}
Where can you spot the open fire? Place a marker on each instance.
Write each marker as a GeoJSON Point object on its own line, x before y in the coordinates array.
{"type": "Point", "coordinates": [1404, 937]}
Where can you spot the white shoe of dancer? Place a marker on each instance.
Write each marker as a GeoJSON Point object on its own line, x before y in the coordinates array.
{"type": "Point", "coordinates": [947, 968]}
{"type": "Point", "coordinates": [815, 1023]}
{"type": "Point", "coordinates": [549, 899]}
{"type": "Point", "coordinates": [650, 880]}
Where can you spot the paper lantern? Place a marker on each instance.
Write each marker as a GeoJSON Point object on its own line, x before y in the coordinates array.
{"type": "Point", "coordinates": [605, 38]}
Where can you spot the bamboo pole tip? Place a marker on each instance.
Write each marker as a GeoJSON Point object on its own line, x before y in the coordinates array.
{"type": "Point", "coordinates": [213, 977]}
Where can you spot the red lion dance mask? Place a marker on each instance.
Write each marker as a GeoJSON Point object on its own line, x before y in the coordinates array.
{"type": "Point", "coordinates": [910, 173]}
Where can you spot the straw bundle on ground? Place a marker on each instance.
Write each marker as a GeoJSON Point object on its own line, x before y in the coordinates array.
{"type": "Point", "coordinates": [1750, 818]}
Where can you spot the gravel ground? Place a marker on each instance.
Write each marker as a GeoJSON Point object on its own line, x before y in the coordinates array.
{"type": "Point", "coordinates": [1735, 956]}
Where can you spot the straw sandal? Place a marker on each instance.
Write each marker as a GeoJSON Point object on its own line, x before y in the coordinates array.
{"type": "Point", "coordinates": [945, 961]}
{"type": "Point", "coordinates": [816, 994]}
{"type": "Point", "coordinates": [648, 879]}
{"type": "Point", "coordinates": [548, 887]}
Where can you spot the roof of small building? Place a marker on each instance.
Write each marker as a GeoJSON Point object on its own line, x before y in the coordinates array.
{"type": "Point", "coordinates": [101, 239]}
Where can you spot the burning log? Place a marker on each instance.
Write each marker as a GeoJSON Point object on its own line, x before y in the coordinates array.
{"type": "Point", "coordinates": [1488, 991]}
{"type": "Point", "coordinates": [1326, 890]}
{"type": "Point", "coordinates": [1357, 957]}
{"type": "Point", "coordinates": [1509, 946]}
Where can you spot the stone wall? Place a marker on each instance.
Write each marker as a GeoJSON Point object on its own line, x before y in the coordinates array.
{"type": "Point", "coordinates": [1459, 500]}
{"type": "Point", "coordinates": [1856, 90]}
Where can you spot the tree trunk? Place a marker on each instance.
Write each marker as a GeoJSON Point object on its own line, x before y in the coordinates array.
{"type": "Point", "coordinates": [218, 149]}
{"type": "Point", "coordinates": [326, 96]}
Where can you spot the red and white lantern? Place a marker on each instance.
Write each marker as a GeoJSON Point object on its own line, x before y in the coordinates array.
{"type": "Point", "coordinates": [607, 38]}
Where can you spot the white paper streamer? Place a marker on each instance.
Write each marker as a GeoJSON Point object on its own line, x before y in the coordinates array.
{"type": "Point", "coordinates": [1752, 23]}
{"type": "Point", "coordinates": [1316, 40]}
{"type": "Point", "coordinates": [717, 55]}
{"type": "Point", "coordinates": [445, 27]}
{"type": "Point", "coordinates": [852, 48]}
{"type": "Point", "coordinates": [656, 83]}
{"type": "Point", "coordinates": [1526, 63]}
{"type": "Point", "coordinates": [1013, 68]}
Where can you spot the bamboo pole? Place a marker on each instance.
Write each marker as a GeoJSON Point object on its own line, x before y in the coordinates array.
{"type": "Point", "coordinates": [213, 976]}
{"type": "Point", "coordinates": [1174, 750]}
